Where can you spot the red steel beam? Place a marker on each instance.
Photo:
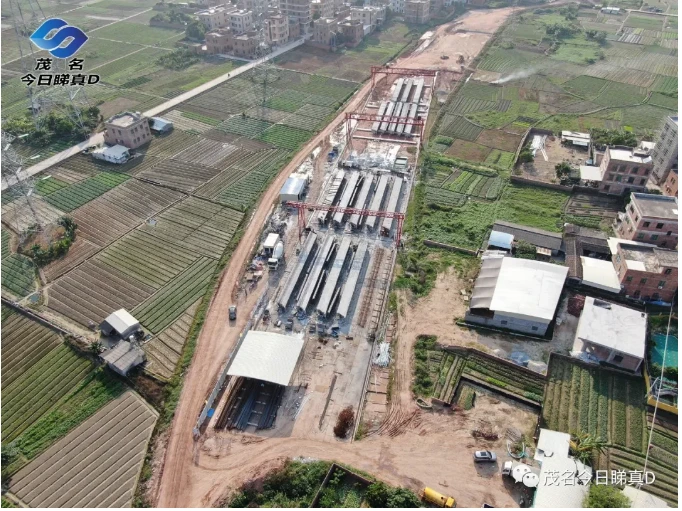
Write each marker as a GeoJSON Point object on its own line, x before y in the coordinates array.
{"type": "Point", "coordinates": [359, 116]}
{"type": "Point", "coordinates": [302, 207]}
{"type": "Point", "coordinates": [400, 71]}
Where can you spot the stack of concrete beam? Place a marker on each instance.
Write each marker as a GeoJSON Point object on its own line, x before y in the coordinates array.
{"type": "Point", "coordinates": [331, 194]}
{"type": "Point", "coordinates": [331, 288]}
{"type": "Point", "coordinates": [348, 195]}
{"type": "Point", "coordinates": [377, 200]}
{"type": "Point", "coordinates": [295, 275]}
{"type": "Point", "coordinates": [406, 92]}
{"type": "Point", "coordinates": [392, 206]}
{"type": "Point", "coordinates": [352, 280]}
{"type": "Point", "coordinates": [395, 96]}
{"type": "Point", "coordinates": [316, 274]}
{"type": "Point", "coordinates": [361, 201]}
{"type": "Point", "coordinates": [380, 113]}
{"type": "Point", "coordinates": [388, 114]}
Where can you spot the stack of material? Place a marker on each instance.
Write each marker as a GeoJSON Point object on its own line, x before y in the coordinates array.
{"type": "Point", "coordinates": [384, 356]}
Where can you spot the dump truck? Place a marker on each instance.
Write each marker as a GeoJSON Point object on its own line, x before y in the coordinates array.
{"type": "Point", "coordinates": [437, 499]}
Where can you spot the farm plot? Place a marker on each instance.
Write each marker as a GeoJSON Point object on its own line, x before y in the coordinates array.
{"type": "Point", "coordinates": [445, 198]}
{"type": "Point", "coordinates": [315, 111]}
{"type": "Point", "coordinates": [49, 184]}
{"type": "Point", "coordinates": [663, 100]}
{"type": "Point", "coordinates": [205, 226]}
{"type": "Point", "coordinates": [285, 137]}
{"type": "Point", "coordinates": [481, 91]}
{"type": "Point", "coordinates": [36, 390]}
{"type": "Point", "coordinates": [147, 258]}
{"type": "Point", "coordinates": [498, 139]}
{"type": "Point", "coordinates": [644, 117]}
{"type": "Point", "coordinates": [665, 84]}
{"type": "Point", "coordinates": [620, 94]}
{"type": "Point", "coordinates": [245, 126]}
{"type": "Point", "coordinates": [130, 70]}
{"type": "Point", "coordinates": [645, 22]}
{"type": "Point", "coordinates": [167, 146]}
{"type": "Point", "coordinates": [187, 121]}
{"type": "Point", "coordinates": [466, 150]}
{"type": "Point", "coordinates": [91, 292]}
{"type": "Point", "coordinates": [457, 126]}
{"type": "Point", "coordinates": [471, 183]}
{"type": "Point", "coordinates": [500, 159]}
{"type": "Point", "coordinates": [18, 275]}
{"type": "Point", "coordinates": [587, 87]}
{"type": "Point", "coordinates": [134, 33]}
{"type": "Point", "coordinates": [287, 101]}
{"type": "Point", "coordinates": [179, 175]}
{"type": "Point", "coordinates": [243, 193]}
{"type": "Point", "coordinates": [301, 122]}
{"type": "Point", "coordinates": [164, 350]}
{"type": "Point", "coordinates": [116, 212]}
{"type": "Point", "coordinates": [24, 342]}
{"type": "Point", "coordinates": [465, 105]}
{"type": "Point", "coordinates": [502, 60]}
{"type": "Point", "coordinates": [106, 451]}
{"type": "Point", "coordinates": [206, 152]}
{"type": "Point", "coordinates": [71, 197]}
{"type": "Point", "coordinates": [78, 252]}
{"type": "Point", "coordinates": [18, 214]}
{"type": "Point", "coordinates": [169, 302]}
{"type": "Point", "coordinates": [266, 114]}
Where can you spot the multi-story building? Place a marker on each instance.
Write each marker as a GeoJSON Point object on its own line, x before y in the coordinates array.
{"type": "Point", "coordinates": [219, 41]}
{"type": "Point", "coordinates": [322, 9]}
{"type": "Point", "coordinates": [276, 27]}
{"type": "Point", "coordinates": [352, 31]}
{"type": "Point", "coordinates": [646, 272]}
{"type": "Point", "coordinates": [245, 45]}
{"type": "Point", "coordinates": [298, 11]}
{"type": "Point", "coordinates": [670, 185]}
{"type": "Point", "coordinates": [417, 11]}
{"type": "Point", "coordinates": [129, 129]}
{"type": "Point", "coordinates": [665, 152]}
{"type": "Point", "coordinates": [371, 16]}
{"type": "Point", "coordinates": [294, 30]}
{"type": "Point", "coordinates": [241, 21]}
{"type": "Point", "coordinates": [649, 219]}
{"type": "Point", "coordinates": [397, 6]}
{"type": "Point", "coordinates": [624, 170]}
{"type": "Point", "coordinates": [324, 32]}
{"type": "Point", "coordinates": [214, 18]}
{"type": "Point", "coordinates": [436, 8]}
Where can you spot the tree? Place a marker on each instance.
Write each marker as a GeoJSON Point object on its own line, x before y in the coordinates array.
{"type": "Point", "coordinates": [96, 347]}
{"type": "Point", "coordinates": [585, 447]}
{"type": "Point", "coordinates": [344, 422]}
{"type": "Point", "coordinates": [526, 155]}
{"type": "Point", "coordinates": [603, 495]}
{"type": "Point", "coordinates": [195, 30]}
{"type": "Point", "coordinates": [316, 16]}
{"type": "Point", "coordinates": [402, 498]}
{"type": "Point", "coordinates": [377, 494]}
{"type": "Point", "coordinates": [563, 170]}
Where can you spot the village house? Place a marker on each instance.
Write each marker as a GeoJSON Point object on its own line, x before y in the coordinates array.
{"type": "Point", "coordinates": [129, 129]}
{"type": "Point", "coordinates": [650, 219]}
{"type": "Point", "coordinates": [624, 170]}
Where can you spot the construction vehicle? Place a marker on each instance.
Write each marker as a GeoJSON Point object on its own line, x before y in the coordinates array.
{"type": "Point", "coordinates": [437, 499]}
{"type": "Point", "coordinates": [277, 253]}
{"type": "Point", "coordinates": [233, 312]}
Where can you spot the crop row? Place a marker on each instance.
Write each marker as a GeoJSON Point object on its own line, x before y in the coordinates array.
{"type": "Point", "coordinates": [164, 350]}
{"type": "Point", "coordinates": [69, 198]}
{"type": "Point", "coordinates": [502, 159]}
{"type": "Point", "coordinates": [32, 394]}
{"type": "Point", "coordinates": [24, 342]}
{"type": "Point", "coordinates": [18, 275]}
{"type": "Point", "coordinates": [246, 126]}
{"type": "Point", "coordinates": [285, 137]}
{"type": "Point", "coordinates": [460, 127]}
{"type": "Point", "coordinates": [238, 165]}
{"type": "Point", "coordinates": [442, 197]}
{"type": "Point", "coordinates": [465, 105]}
{"type": "Point", "coordinates": [167, 304]}
{"type": "Point", "coordinates": [510, 376]}
{"type": "Point", "coordinates": [49, 185]}
{"type": "Point", "coordinates": [242, 194]}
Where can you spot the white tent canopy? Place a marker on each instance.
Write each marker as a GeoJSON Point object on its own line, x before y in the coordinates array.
{"type": "Point", "coordinates": [267, 356]}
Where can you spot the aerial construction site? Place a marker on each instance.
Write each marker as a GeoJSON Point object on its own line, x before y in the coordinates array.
{"type": "Point", "coordinates": [329, 248]}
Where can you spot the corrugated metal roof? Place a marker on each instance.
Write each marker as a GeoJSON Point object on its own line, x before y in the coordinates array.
{"type": "Point", "coordinates": [352, 280]}
{"type": "Point", "coordinates": [292, 186]}
{"type": "Point", "coordinates": [537, 237]}
{"type": "Point", "coordinates": [121, 321]}
{"type": "Point", "coordinates": [267, 356]}
{"type": "Point", "coordinates": [501, 239]}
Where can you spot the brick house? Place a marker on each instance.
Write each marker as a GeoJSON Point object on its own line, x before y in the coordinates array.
{"type": "Point", "coordinates": [417, 11]}
{"type": "Point", "coordinates": [129, 129]}
{"type": "Point", "coordinates": [245, 45]}
{"type": "Point", "coordinates": [216, 17]}
{"type": "Point", "coordinates": [352, 31]}
{"type": "Point", "coordinates": [324, 31]}
{"type": "Point", "coordinates": [665, 152]}
{"type": "Point", "coordinates": [649, 219]}
{"type": "Point", "coordinates": [624, 170]}
{"type": "Point", "coordinates": [670, 185]}
{"type": "Point", "coordinates": [646, 272]}
{"type": "Point", "coordinates": [219, 41]}
{"type": "Point", "coordinates": [276, 29]}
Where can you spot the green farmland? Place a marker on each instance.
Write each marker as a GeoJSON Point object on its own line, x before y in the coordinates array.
{"type": "Point", "coordinates": [611, 406]}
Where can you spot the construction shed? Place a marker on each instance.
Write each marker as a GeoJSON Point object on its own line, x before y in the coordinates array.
{"type": "Point", "coordinates": [292, 190]}
{"type": "Point", "coordinates": [115, 154]}
{"type": "Point", "coordinates": [500, 240]}
{"type": "Point", "coordinates": [123, 357]}
{"type": "Point", "coordinates": [120, 323]}
{"type": "Point", "coordinates": [161, 125]}
{"type": "Point", "coordinates": [516, 294]}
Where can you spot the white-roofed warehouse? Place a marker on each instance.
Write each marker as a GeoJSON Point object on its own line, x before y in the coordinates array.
{"type": "Point", "coordinates": [516, 294]}
{"type": "Point", "coordinates": [260, 371]}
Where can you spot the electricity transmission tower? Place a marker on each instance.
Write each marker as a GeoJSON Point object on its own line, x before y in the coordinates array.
{"type": "Point", "coordinates": [263, 75]}
{"type": "Point", "coordinates": [21, 186]}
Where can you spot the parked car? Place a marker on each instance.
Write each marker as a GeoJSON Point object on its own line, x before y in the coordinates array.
{"type": "Point", "coordinates": [485, 456]}
{"type": "Point", "coordinates": [233, 312]}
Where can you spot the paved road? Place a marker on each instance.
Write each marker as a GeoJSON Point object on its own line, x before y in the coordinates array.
{"type": "Point", "coordinates": [98, 138]}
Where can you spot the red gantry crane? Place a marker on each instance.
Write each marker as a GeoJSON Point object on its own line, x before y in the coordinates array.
{"type": "Point", "coordinates": [302, 207]}
{"type": "Point", "coordinates": [358, 116]}
{"type": "Point", "coordinates": [402, 71]}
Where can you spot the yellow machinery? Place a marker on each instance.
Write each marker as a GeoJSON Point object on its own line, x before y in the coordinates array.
{"type": "Point", "coordinates": [437, 499]}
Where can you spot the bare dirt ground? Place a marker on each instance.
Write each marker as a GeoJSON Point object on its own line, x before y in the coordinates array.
{"type": "Point", "coordinates": [466, 36]}
{"type": "Point", "coordinates": [434, 450]}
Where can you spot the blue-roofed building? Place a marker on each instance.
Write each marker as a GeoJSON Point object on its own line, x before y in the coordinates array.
{"type": "Point", "coordinates": [500, 240]}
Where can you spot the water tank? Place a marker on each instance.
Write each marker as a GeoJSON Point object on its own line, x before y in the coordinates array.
{"type": "Point", "coordinates": [279, 251]}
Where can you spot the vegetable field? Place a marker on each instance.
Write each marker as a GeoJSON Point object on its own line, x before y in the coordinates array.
{"type": "Point", "coordinates": [478, 185]}
{"type": "Point", "coordinates": [36, 390]}
{"type": "Point", "coordinates": [24, 342]}
{"type": "Point", "coordinates": [71, 197]}
{"type": "Point", "coordinates": [18, 275]}
{"type": "Point", "coordinates": [611, 406]}
{"type": "Point", "coordinates": [127, 423]}
{"type": "Point", "coordinates": [285, 137]}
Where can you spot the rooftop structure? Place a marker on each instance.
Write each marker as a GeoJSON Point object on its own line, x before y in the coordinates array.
{"type": "Point", "coordinates": [124, 119]}
{"type": "Point", "coordinates": [123, 357]}
{"type": "Point", "coordinates": [552, 444]}
{"type": "Point", "coordinates": [583, 242]}
{"type": "Point", "coordinates": [267, 356]}
{"type": "Point", "coordinates": [599, 274]}
{"type": "Point", "coordinates": [656, 206]}
{"type": "Point", "coordinates": [665, 154]}
{"type": "Point", "coordinates": [641, 499]}
{"type": "Point", "coordinates": [129, 129]}
{"type": "Point", "coordinates": [624, 170]}
{"type": "Point", "coordinates": [536, 237]}
{"type": "Point", "coordinates": [649, 259]}
{"type": "Point", "coordinates": [292, 189]}
{"type": "Point", "coordinates": [501, 240]}
{"type": "Point", "coordinates": [113, 154]}
{"type": "Point", "coordinates": [517, 294]}
{"type": "Point", "coordinates": [611, 333]}
{"type": "Point", "coordinates": [121, 323]}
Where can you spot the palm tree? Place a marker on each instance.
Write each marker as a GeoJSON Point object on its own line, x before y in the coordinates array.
{"type": "Point", "coordinates": [585, 446]}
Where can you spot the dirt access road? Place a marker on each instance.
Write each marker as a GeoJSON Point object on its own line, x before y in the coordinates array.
{"type": "Point", "coordinates": [184, 483]}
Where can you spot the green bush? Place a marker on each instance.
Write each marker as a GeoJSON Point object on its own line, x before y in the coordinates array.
{"type": "Point", "coordinates": [58, 248]}
{"type": "Point", "coordinates": [496, 382]}
{"type": "Point", "coordinates": [603, 496]}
